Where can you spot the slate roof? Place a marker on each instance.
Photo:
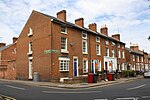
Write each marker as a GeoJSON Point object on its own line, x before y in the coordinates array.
{"type": "Point", "coordinates": [5, 47]}
{"type": "Point", "coordinates": [56, 20]}
{"type": "Point", "coordinates": [135, 52]}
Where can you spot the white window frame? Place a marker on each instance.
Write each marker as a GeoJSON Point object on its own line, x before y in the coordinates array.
{"type": "Point", "coordinates": [119, 54]}
{"type": "Point", "coordinates": [133, 57]}
{"type": "Point", "coordinates": [142, 59]}
{"type": "Point", "coordinates": [84, 52]}
{"type": "Point", "coordinates": [85, 66]}
{"type": "Point", "coordinates": [107, 52]}
{"type": "Point", "coordinates": [30, 32]}
{"type": "Point", "coordinates": [84, 35]}
{"type": "Point", "coordinates": [98, 39]}
{"type": "Point", "coordinates": [65, 49]}
{"type": "Point", "coordinates": [113, 44]}
{"type": "Point", "coordinates": [65, 28]}
{"type": "Point", "coordinates": [107, 42]}
{"type": "Point", "coordinates": [123, 54]}
{"type": "Point", "coordinates": [113, 53]}
{"type": "Point", "coordinates": [98, 50]}
{"type": "Point", "coordinates": [30, 48]}
{"type": "Point", "coordinates": [118, 45]}
{"type": "Point", "coordinates": [65, 62]}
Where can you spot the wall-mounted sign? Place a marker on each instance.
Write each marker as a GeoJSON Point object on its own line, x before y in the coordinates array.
{"type": "Point", "coordinates": [51, 51]}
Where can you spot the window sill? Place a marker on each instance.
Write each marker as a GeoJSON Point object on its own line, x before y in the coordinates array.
{"type": "Point", "coordinates": [64, 32]}
{"type": "Point", "coordinates": [85, 53]}
{"type": "Point", "coordinates": [98, 54]}
{"type": "Point", "coordinates": [30, 35]}
{"type": "Point", "coordinates": [30, 53]}
{"type": "Point", "coordinates": [64, 70]}
{"type": "Point", "coordinates": [64, 51]}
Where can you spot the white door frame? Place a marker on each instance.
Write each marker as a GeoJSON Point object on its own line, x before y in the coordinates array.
{"type": "Point", "coordinates": [75, 57]}
{"type": "Point", "coordinates": [30, 69]}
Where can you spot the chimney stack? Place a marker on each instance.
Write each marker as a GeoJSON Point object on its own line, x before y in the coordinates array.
{"type": "Point", "coordinates": [116, 36]}
{"type": "Point", "coordinates": [134, 47]}
{"type": "Point", "coordinates": [14, 39]}
{"type": "Point", "coordinates": [80, 22]}
{"type": "Point", "coordinates": [62, 15]}
{"type": "Point", "coordinates": [93, 27]}
{"type": "Point", "coordinates": [104, 30]}
{"type": "Point", "coordinates": [2, 44]}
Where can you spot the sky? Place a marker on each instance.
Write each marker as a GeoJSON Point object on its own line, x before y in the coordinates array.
{"type": "Point", "coordinates": [130, 18]}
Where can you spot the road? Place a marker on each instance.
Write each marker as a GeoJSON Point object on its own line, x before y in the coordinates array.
{"type": "Point", "coordinates": [134, 90]}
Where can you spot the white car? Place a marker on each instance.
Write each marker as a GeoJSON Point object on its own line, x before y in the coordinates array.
{"type": "Point", "coordinates": [147, 74]}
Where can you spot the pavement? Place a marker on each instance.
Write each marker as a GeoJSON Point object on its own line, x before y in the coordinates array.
{"type": "Point", "coordinates": [74, 86]}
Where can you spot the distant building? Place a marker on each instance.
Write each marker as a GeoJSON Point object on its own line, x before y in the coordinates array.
{"type": "Point", "coordinates": [137, 60]}
{"type": "Point", "coordinates": [8, 60]}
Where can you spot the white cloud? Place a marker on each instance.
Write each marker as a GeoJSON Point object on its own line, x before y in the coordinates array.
{"type": "Point", "coordinates": [130, 17]}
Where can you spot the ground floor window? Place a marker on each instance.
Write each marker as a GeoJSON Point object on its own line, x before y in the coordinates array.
{"type": "Point", "coordinates": [64, 64]}
{"type": "Point", "coordinates": [85, 66]}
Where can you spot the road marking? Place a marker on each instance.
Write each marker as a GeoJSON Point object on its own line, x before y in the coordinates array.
{"type": "Point", "coordinates": [145, 97]}
{"type": "Point", "coordinates": [63, 92]}
{"type": "Point", "coordinates": [130, 98]}
{"type": "Point", "coordinates": [15, 87]}
{"type": "Point", "coordinates": [136, 87]}
{"type": "Point", "coordinates": [3, 97]}
{"type": "Point", "coordinates": [100, 99]}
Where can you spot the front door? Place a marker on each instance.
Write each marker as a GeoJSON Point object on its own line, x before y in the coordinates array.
{"type": "Point", "coordinates": [30, 70]}
{"type": "Point", "coordinates": [93, 67]}
{"type": "Point", "coordinates": [75, 66]}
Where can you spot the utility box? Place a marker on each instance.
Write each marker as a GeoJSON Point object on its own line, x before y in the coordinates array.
{"type": "Point", "coordinates": [36, 77]}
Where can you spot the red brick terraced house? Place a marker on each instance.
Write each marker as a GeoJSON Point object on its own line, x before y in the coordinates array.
{"type": "Point", "coordinates": [58, 49]}
{"type": "Point", "coordinates": [137, 60]}
{"type": "Point", "coordinates": [8, 60]}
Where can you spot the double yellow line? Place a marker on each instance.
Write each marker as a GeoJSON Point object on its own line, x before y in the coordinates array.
{"type": "Point", "coordinates": [3, 97]}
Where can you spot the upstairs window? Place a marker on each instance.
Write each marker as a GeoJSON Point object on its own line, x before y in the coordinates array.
{"type": "Point", "coordinates": [118, 45]}
{"type": "Point", "coordinates": [64, 44]}
{"type": "Point", "coordinates": [133, 57]}
{"type": "Point", "coordinates": [107, 52]}
{"type": "Point", "coordinates": [84, 35]}
{"type": "Point", "coordinates": [123, 55]}
{"type": "Point", "coordinates": [119, 56]}
{"type": "Point", "coordinates": [113, 53]}
{"type": "Point", "coordinates": [98, 50]}
{"type": "Point", "coordinates": [113, 44]}
{"type": "Point", "coordinates": [30, 32]}
{"type": "Point", "coordinates": [30, 46]}
{"type": "Point", "coordinates": [97, 39]}
{"type": "Point", "coordinates": [107, 42]}
{"type": "Point", "coordinates": [64, 29]}
{"type": "Point", "coordinates": [84, 47]}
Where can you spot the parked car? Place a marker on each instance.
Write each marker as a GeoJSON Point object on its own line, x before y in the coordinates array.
{"type": "Point", "coordinates": [147, 74]}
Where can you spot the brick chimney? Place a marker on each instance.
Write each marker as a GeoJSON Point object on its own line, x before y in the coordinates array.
{"type": "Point", "coordinates": [116, 36]}
{"type": "Point", "coordinates": [104, 30]}
{"type": "Point", "coordinates": [80, 22]}
{"type": "Point", "coordinates": [62, 15]}
{"type": "Point", "coordinates": [93, 27]}
{"type": "Point", "coordinates": [136, 48]}
{"type": "Point", "coordinates": [2, 44]}
{"type": "Point", "coordinates": [14, 39]}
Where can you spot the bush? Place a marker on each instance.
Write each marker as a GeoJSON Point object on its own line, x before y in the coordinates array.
{"type": "Point", "coordinates": [128, 73]}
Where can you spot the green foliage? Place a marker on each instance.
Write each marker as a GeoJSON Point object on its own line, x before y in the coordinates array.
{"type": "Point", "coordinates": [128, 73]}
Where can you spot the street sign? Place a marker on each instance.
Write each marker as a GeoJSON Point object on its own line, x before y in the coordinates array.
{"type": "Point", "coordinates": [51, 51]}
